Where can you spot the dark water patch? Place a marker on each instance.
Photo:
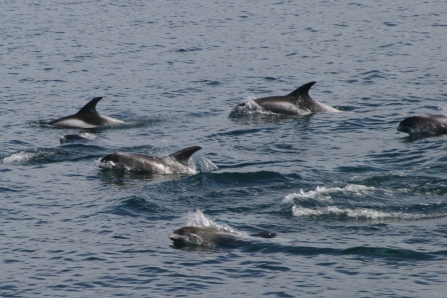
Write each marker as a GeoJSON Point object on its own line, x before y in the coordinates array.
{"type": "Point", "coordinates": [243, 179]}
{"type": "Point", "coordinates": [188, 50]}
{"type": "Point", "coordinates": [358, 169]}
{"type": "Point", "coordinates": [208, 82]}
{"type": "Point", "coordinates": [389, 253]}
{"type": "Point", "coordinates": [136, 206]}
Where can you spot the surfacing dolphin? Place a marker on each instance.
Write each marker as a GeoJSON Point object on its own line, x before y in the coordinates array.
{"type": "Point", "coordinates": [424, 125]}
{"type": "Point", "coordinates": [208, 236]}
{"type": "Point", "coordinates": [87, 117]}
{"type": "Point", "coordinates": [297, 102]}
{"type": "Point", "coordinates": [176, 163]}
{"type": "Point", "coordinates": [74, 138]}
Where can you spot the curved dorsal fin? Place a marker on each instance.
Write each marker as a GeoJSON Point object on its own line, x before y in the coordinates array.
{"type": "Point", "coordinates": [302, 91]}
{"type": "Point", "coordinates": [90, 107]}
{"type": "Point", "coordinates": [183, 156]}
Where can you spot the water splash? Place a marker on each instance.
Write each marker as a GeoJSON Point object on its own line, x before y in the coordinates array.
{"type": "Point", "coordinates": [197, 218]}
{"type": "Point", "coordinates": [19, 157]}
{"type": "Point", "coordinates": [31, 155]}
{"type": "Point", "coordinates": [206, 165]}
{"type": "Point", "coordinates": [249, 107]}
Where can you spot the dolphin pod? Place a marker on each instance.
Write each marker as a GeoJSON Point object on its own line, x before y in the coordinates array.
{"type": "Point", "coordinates": [424, 125]}
{"type": "Point", "coordinates": [176, 163]}
{"type": "Point", "coordinates": [208, 236]}
{"type": "Point", "coordinates": [87, 117]}
{"type": "Point", "coordinates": [297, 102]}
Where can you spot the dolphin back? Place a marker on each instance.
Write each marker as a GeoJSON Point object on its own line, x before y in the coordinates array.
{"type": "Point", "coordinates": [183, 156]}
{"type": "Point", "coordinates": [90, 107]}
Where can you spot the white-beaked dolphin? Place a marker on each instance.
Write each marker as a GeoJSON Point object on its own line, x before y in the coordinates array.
{"type": "Point", "coordinates": [176, 163]}
{"type": "Point", "coordinates": [87, 117]}
{"type": "Point", "coordinates": [297, 102]}
{"type": "Point", "coordinates": [424, 125]}
{"type": "Point", "coordinates": [208, 236]}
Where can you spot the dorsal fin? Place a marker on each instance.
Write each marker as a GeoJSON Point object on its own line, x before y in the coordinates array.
{"type": "Point", "coordinates": [90, 107]}
{"type": "Point", "coordinates": [183, 156]}
{"type": "Point", "coordinates": [302, 91]}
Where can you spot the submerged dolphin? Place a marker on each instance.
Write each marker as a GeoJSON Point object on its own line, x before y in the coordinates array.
{"type": "Point", "coordinates": [297, 102]}
{"type": "Point", "coordinates": [424, 124]}
{"type": "Point", "coordinates": [70, 138]}
{"type": "Point", "coordinates": [87, 117]}
{"type": "Point", "coordinates": [208, 236]}
{"type": "Point", "coordinates": [176, 163]}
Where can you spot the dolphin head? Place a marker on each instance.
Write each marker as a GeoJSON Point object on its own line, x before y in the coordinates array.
{"type": "Point", "coordinates": [424, 124]}
{"type": "Point", "coordinates": [186, 236]}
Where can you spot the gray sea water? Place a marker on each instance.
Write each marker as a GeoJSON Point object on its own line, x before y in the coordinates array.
{"type": "Point", "coordinates": [359, 208]}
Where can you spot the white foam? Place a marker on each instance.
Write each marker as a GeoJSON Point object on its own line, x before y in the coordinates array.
{"type": "Point", "coordinates": [358, 213]}
{"type": "Point", "coordinates": [323, 193]}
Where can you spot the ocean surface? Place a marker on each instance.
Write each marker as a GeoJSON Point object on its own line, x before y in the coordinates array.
{"type": "Point", "coordinates": [359, 209]}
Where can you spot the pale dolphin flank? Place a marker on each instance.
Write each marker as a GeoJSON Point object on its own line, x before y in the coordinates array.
{"type": "Point", "coordinates": [176, 163]}
{"type": "Point", "coordinates": [208, 236]}
{"type": "Point", "coordinates": [87, 117]}
{"type": "Point", "coordinates": [424, 124]}
{"type": "Point", "coordinates": [297, 102]}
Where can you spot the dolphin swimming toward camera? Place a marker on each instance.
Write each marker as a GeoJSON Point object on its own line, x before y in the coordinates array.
{"type": "Point", "coordinates": [176, 163]}
{"type": "Point", "coordinates": [208, 236]}
{"type": "Point", "coordinates": [87, 117]}
{"type": "Point", "coordinates": [424, 124]}
{"type": "Point", "coordinates": [297, 102]}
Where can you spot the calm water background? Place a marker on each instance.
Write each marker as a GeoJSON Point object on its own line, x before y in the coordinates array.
{"type": "Point", "coordinates": [359, 208]}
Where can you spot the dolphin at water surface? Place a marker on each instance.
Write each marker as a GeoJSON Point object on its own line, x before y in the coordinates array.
{"type": "Point", "coordinates": [424, 125]}
{"type": "Point", "coordinates": [297, 102]}
{"type": "Point", "coordinates": [208, 236]}
{"type": "Point", "coordinates": [87, 117]}
{"type": "Point", "coordinates": [176, 163]}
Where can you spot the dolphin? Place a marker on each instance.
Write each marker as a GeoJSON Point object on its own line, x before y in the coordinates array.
{"type": "Point", "coordinates": [297, 102]}
{"type": "Point", "coordinates": [87, 117]}
{"type": "Point", "coordinates": [68, 138]}
{"type": "Point", "coordinates": [424, 124]}
{"type": "Point", "coordinates": [176, 163]}
{"type": "Point", "coordinates": [208, 236]}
